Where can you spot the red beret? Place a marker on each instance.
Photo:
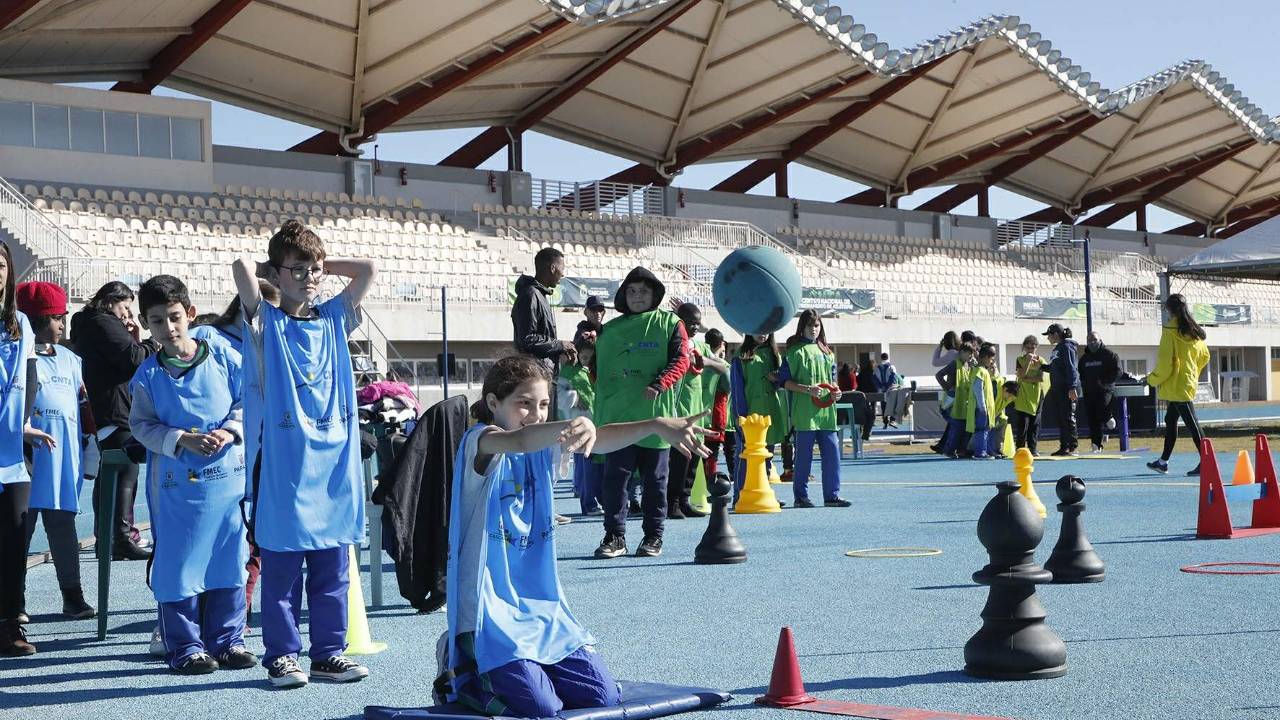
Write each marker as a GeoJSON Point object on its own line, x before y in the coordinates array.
{"type": "Point", "coordinates": [41, 298]}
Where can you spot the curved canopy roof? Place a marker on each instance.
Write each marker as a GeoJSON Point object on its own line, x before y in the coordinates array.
{"type": "Point", "coordinates": [670, 83]}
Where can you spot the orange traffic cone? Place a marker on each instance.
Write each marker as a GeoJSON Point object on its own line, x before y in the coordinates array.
{"type": "Point", "coordinates": [785, 686]}
{"type": "Point", "coordinates": [1243, 474]}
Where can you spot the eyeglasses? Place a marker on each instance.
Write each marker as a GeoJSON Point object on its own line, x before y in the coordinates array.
{"type": "Point", "coordinates": [302, 272]}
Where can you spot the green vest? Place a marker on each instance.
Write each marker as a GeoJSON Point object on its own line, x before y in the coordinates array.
{"type": "Point", "coordinates": [964, 386]}
{"type": "Point", "coordinates": [631, 351]}
{"type": "Point", "coordinates": [1031, 393]}
{"type": "Point", "coordinates": [579, 378]}
{"type": "Point", "coordinates": [810, 366]}
{"type": "Point", "coordinates": [712, 381]}
{"type": "Point", "coordinates": [689, 391]}
{"type": "Point", "coordinates": [988, 398]}
{"type": "Point", "coordinates": [762, 395]}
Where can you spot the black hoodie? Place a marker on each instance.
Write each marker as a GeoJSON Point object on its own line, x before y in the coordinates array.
{"type": "Point", "coordinates": [533, 322]}
{"type": "Point", "coordinates": [639, 274]}
{"type": "Point", "coordinates": [1099, 369]}
{"type": "Point", "coordinates": [110, 357]}
{"type": "Point", "coordinates": [679, 349]}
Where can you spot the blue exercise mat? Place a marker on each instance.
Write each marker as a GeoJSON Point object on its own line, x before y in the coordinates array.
{"type": "Point", "coordinates": [639, 701]}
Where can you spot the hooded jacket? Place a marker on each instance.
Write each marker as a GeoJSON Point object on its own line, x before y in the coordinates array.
{"type": "Point", "coordinates": [1063, 371]}
{"type": "Point", "coordinates": [533, 323]}
{"type": "Point", "coordinates": [110, 357]}
{"type": "Point", "coordinates": [1179, 362]}
{"type": "Point", "coordinates": [1099, 369]}
{"type": "Point", "coordinates": [679, 350]}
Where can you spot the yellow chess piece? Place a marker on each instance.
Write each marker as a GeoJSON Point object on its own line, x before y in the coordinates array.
{"type": "Point", "coordinates": [773, 474]}
{"type": "Point", "coordinates": [756, 496]}
{"type": "Point", "coordinates": [1023, 464]}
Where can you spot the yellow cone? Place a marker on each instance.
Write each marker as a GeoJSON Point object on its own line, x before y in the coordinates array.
{"type": "Point", "coordinates": [698, 495]}
{"type": "Point", "coordinates": [756, 496]}
{"type": "Point", "coordinates": [1023, 464]}
{"type": "Point", "coordinates": [359, 642]}
{"type": "Point", "coordinates": [1244, 470]}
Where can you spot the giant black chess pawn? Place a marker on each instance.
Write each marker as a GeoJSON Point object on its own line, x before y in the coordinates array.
{"type": "Point", "coordinates": [1014, 642]}
{"type": "Point", "coordinates": [1073, 559]}
{"type": "Point", "coordinates": [720, 544]}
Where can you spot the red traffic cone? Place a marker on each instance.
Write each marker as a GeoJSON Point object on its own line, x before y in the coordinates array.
{"type": "Point", "coordinates": [785, 687]}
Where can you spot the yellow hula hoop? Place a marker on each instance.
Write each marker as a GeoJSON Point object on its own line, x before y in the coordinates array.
{"type": "Point", "coordinates": [894, 552]}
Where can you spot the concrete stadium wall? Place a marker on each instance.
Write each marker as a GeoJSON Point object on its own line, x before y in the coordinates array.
{"type": "Point", "coordinates": [91, 168]}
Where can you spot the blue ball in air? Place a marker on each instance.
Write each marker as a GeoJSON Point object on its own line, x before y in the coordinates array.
{"type": "Point", "coordinates": [757, 290]}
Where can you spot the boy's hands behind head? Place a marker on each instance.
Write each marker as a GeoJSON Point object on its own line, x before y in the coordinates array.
{"type": "Point", "coordinates": [684, 435]}
{"type": "Point", "coordinates": [578, 437]}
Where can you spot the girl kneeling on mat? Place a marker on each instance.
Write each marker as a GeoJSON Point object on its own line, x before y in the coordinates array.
{"type": "Point", "coordinates": [810, 363]}
{"type": "Point", "coordinates": [513, 647]}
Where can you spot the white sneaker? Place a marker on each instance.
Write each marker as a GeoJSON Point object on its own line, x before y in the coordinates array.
{"type": "Point", "coordinates": [1097, 449]}
{"type": "Point", "coordinates": [157, 643]}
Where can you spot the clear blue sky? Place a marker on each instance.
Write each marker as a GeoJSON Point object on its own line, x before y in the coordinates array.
{"type": "Point", "coordinates": [1118, 41]}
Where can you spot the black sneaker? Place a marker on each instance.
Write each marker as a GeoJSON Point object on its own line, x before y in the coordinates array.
{"type": "Point", "coordinates": [1159, 466]}
{"type": "Point", "coordinates": [339, 668]}
{"type": "Point", "coordinates": [803, 503]}
{"type": "Point", "coordinates": [285, 672]}
{"type": "Point", "coordinates": [836, 502]}
{"type": "Point", "coordinates": [237, 658]}
{"type": "Point", "coordinates": [612, 546]}
{"type": "Point", "coordinates": [649, 547]}
{"type": "Point", "coordinates": [197, 664]}
{"type": "Point", "coordinates": [674, 512]}
{"type": "Point", "coordinates": [1194, 472]}
{"type": "Point", "coordinates": [634, 507]}
{"type": "Point", "coordinates": [690, 511]}
{"type": "Point", "coordinates": [1064, 453]}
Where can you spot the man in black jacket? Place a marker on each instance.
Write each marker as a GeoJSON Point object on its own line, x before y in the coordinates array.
{"type": "Point", "coordinates": [1099, 368]}
{"type": "Point", "coordinates": [1064, 387]}
{"type": "Point", "coordinates": [531, 318]}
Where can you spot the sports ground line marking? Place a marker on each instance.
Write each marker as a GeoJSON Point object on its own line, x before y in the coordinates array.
{"type": "Point", "coordinates": [1107, 483]}
{"type": "Point", "coordinates": [883, 712]}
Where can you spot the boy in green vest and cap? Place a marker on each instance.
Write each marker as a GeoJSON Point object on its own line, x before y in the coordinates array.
{"type": "Point", "coordinates": [640, 356]}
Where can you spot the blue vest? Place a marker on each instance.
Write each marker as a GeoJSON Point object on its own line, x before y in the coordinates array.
{"type": "Point", "coordinates": [310, 485]}
{"type": "Point", "coordinates": [521, 612]}
{"type": "Point", "coordinates": [195, 500]}
{"type": "Point", "coordinates": [56, 475]}
{"type": "Point", "coordinates": [13, 400]}
{"type": "Point", "coordinates": [212, 334]}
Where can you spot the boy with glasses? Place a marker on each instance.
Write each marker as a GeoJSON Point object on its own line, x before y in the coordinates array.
{"type": "Point", "coordinates": [305, 483]}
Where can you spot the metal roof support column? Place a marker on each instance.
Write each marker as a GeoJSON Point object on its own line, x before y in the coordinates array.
{"type": "Point", "coordinates": [483, 146]}
{"type": "Point", "coordinates": [926, 176]}
{"type": "Point", "coordinates": [751, 175]}
{"type": "Point", "coordinates": [182, 48]}
{"type": "Point", "coordinates": [780, 180]}
{"type": "Point", "coordinates": [952, 198]}
{"type": "Point", "coordinates": [382, 115]}
{"type": "Point", "coordinates": [14, 10]}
